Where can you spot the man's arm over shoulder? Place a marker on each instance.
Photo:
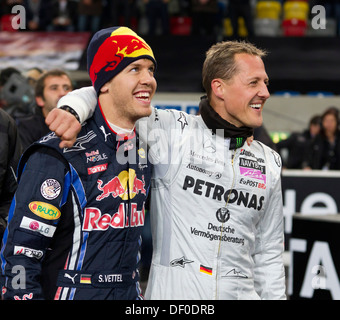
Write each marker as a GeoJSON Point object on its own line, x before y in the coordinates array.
{"type": "Point", "coordinates": [81, 102]}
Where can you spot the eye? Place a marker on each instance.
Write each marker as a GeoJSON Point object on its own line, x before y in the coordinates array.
{"type": "Point", "coordinates": [151, 69]}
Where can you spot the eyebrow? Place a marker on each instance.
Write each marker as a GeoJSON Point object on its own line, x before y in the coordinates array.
{"type": "Point", "coordinates": [266, 80]}
{"type": "Point", "coordinates": [58, 85]}
{"type": "Point", "coordinates": [138, 64]}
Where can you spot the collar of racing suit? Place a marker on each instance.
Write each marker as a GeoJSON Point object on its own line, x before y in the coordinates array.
{"type": "Point", "coordinates": [214, 121]}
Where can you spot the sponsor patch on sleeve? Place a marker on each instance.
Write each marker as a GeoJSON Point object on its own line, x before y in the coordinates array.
{"type": "Point", "coordinates": [37, 226]}
{"type": "Point", "coordinates": [50, 189]}
{"type": "Point", "coordinates": [29, 252]}
{"type": "Point", "coordinates": [44, 210]}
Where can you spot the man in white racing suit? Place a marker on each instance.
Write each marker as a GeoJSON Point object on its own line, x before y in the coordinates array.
{"type": "Point", "coordinates": [216, 202]}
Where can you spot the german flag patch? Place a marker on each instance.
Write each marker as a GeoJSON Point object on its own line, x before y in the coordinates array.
{"type": "Point", "coordinates": [205, 269]}
{"type": "Point", "coordinates": [85, 278]}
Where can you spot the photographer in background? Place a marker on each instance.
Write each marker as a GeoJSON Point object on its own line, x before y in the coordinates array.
{"type": "Point", "coordinates": [4, 76]}
{"type": "Point", "coordinates": [16, 94]}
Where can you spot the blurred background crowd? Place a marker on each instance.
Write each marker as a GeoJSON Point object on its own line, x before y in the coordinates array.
{"type": "Point", "coordinates": [185, 17]}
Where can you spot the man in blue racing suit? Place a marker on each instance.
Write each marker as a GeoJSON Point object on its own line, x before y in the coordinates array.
{"type": "Point", "coordinates": [75, 222]}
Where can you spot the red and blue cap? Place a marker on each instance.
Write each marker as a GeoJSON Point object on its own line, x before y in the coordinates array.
{"type": "Point", "coordinates": [113, 49]}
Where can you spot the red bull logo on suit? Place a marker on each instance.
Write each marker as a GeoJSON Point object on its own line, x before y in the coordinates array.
{"type": "Point", "coordinates": [122, 185]}
{"type": "Point", "coordinates": [95, 220]}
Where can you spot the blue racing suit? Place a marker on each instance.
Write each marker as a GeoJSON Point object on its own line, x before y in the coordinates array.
{"type": "Point", "coordinates": [75, 222]}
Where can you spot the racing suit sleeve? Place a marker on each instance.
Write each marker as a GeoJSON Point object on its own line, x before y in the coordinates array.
{"type": "Point", "coordinates": [83, 101]}
{"type": "Point", "coordinates": [269, 271]}
{"type": "Point", "coordinates": [33, 220]}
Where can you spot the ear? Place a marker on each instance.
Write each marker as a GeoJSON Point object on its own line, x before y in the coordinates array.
{"type": "Point", "coordinates": [217, 87]}
{"type": "Point", "coordinates": [40, 101]}
{"type": "Point", "coordinates": [105, 88]}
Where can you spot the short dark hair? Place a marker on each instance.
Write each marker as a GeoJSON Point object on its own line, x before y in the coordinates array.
{"type": "Point", "coordinates": [220, 61]}
{"type": "Point", "coordinates": [40, 85]}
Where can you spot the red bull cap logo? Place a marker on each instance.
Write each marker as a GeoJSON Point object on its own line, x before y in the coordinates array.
{"type": "Point", "coordinates": [121, 47]}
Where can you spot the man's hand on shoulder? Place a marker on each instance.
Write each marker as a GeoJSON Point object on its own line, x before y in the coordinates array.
{"type": "Point", "coordinates": [65, 125]}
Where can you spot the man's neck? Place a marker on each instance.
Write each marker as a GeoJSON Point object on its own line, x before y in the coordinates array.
{"type": "Point", "coordinates": [117, 120]}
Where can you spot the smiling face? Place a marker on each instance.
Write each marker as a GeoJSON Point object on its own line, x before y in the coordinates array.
{"type": "Point", "coordinates": [127, 96]}
{"type": "Point", "coordinates": [240, 100]}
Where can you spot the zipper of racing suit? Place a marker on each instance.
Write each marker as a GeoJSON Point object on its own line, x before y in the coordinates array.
{"type": "Point", "coordinates": [220, 241]}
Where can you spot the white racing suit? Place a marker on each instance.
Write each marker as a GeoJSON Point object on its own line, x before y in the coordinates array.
{"type": "Point", "coordinates": [216, 213]}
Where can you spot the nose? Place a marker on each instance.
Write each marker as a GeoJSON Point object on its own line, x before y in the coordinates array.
{"type": "Point", "coordinates": [264, 92]}
{"type": "Point", "coordinates": [146, 77]}
{"type": "Point", "coordinates": [62, 91]}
